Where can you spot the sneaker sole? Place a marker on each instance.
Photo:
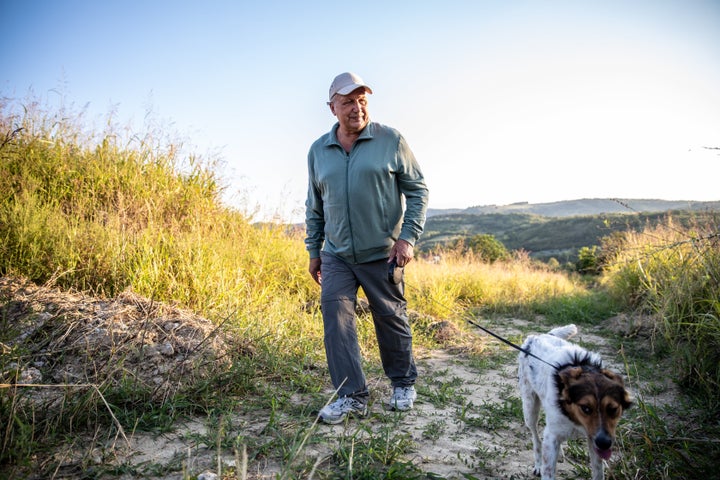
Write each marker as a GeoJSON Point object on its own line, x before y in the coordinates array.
{"type": "Point", "coordinates": [396, 408]}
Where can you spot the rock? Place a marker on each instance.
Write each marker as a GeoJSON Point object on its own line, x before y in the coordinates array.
{"type": "Point", "coordinates": [30, 375]}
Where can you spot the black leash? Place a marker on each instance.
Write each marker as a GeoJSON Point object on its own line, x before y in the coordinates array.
{"type": "Point", "coordinates": [517, 347]}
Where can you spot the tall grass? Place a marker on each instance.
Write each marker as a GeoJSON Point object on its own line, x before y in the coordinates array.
{"type": "Point", "coordinates": [674, 273]}
{"type": "Point", "coordinates": [459, 285]}
{"type": "Point", "coordinates": [106, 216]}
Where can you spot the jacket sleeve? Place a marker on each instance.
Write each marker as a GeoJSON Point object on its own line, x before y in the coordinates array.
{"type": "Point", "coordinates": [314, 217]}
{"type": "Point", "coordinates": [412, 185]}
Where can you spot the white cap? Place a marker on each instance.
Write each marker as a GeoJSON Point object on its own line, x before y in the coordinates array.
{"type": "Point", "coordinates": [346, 83]}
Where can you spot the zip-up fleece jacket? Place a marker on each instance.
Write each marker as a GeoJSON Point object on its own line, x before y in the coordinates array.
{"type": "Point", "coordinates": [360, 203]}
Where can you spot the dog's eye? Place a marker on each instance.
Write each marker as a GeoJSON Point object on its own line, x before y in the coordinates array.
{"type": "Point", "coordinates": [612, 411]}
{"type": "Point", "coordinates": [585, 409]}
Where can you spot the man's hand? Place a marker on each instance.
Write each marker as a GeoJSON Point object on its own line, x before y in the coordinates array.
{"type": "Point", "coordinates": [402, 252]}
{"type": "Point", "coordinates": [314, 270]}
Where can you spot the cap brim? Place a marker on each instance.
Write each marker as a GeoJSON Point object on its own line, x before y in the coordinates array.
{"type": "Point", "coordinates": [351, 88]}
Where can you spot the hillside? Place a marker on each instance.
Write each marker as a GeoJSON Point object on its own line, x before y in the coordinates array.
{"type": "Point", "coordinates": [557, 229]}
{"type": "Point", "coordinates": [583, 206]}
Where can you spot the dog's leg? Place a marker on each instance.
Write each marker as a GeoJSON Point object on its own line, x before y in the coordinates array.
{"type": "Point", "coordinates": [596, 463]}
{"type": "Point", "coordinates": [550, 449]}
{"type": "Point", "coordinates": [531, 412]}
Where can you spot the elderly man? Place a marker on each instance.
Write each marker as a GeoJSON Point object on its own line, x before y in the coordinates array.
{"type": "Point", "coordinates": [365, 210]}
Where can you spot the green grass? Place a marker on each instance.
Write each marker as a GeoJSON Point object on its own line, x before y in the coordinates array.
{"type": "Point", "coordinates": [119, 216]}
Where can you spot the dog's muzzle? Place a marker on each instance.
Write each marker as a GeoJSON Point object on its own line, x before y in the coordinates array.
{"type": "Point", "coordinates": [603, 445]}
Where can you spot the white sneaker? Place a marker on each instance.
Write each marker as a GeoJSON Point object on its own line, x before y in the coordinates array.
{"type": "Point", "coordinates": [403, 398]}
{"type": "Point", "coordinates": [341, 408]}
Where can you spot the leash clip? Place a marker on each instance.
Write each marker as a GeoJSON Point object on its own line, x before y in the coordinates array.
{"type": "Point", "coordinates": [395, 273]}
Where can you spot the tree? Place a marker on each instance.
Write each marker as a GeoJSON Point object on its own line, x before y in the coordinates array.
{"type": "Point", "coordinates": [487, 247]}
{"type": "Point", "coordinates": [588, 260]}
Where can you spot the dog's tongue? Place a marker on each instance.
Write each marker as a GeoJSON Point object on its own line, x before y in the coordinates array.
{"type": "Point", "coordinates": [604, 454]}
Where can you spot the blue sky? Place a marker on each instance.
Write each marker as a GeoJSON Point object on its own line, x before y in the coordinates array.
{"type": "Point", "coordinates": [501, 101]}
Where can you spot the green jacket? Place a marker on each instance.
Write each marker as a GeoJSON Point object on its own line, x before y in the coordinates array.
{"type": "Point", "coordinates": [354, 207]}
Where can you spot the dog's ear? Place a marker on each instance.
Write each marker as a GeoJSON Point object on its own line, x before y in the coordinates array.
{"type": "Point", "coordinates": [570, 373]}
{"type": "Point", "coordinates": [612, 376]}
{"type": "Point", "coordinates": [564, 379]}
{"type": "Point", "coordinates": [627, 400]}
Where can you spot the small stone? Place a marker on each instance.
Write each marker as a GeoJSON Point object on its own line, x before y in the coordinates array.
{"type": "Point", "coordinates": [166, 349]}
{"type": "Point", "coordinates": [30, 375]}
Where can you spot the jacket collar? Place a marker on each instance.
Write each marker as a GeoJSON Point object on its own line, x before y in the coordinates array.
{"type": "Point", "coordinates": [367, 133]}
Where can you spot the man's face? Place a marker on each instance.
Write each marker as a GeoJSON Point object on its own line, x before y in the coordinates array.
{"type": "Point", "coordinates": [351, 110]}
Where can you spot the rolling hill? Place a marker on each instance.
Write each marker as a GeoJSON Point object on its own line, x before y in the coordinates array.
{"type": "Point", "coordinates": [557, 229]}
{"type": "Point", "coordinates": [584, 206]}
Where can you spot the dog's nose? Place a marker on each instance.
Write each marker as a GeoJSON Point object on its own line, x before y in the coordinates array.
{"type": "Point", "coordinates": [603, 441]}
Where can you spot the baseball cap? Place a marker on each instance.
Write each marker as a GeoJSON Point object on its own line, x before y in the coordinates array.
{"type": "Point", "coordinates": [346, 83]}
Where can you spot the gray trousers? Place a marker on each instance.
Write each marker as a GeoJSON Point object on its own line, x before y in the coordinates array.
{"type": "Point", "coordinates": [340, 283]}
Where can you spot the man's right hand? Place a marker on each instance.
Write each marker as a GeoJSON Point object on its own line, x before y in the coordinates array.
{"type": "Point", "coordinates": [314, 270]}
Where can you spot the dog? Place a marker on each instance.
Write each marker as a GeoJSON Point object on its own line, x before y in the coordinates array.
{"type": "Point", "coordinates": [578, 394]}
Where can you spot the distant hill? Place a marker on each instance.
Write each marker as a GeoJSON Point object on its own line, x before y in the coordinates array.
{"type": "Point", "coordinates": [557, 229]}
{"type": "Point", "coordinates": [585, 206]}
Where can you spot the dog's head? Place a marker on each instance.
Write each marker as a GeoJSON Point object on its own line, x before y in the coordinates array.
{"type": "Point", "coordinates": [594, 398]}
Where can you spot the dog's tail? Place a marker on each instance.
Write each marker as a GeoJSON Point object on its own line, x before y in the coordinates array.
{"type": "Point", "coordinates": [564, 332]}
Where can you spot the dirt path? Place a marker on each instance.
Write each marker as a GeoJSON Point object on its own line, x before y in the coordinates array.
{"type": "Point", "coordinates": [465, 424]}
{"type": "Point", "coordinates": [451, 438]}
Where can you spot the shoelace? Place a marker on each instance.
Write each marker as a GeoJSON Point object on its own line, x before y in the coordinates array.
{"type": "Point", "coordinates": [404, 393]}
{"type": "Point", "coordinates": [346, 402]}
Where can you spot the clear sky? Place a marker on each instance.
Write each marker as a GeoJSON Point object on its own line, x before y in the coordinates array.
{"type": "Point", "coordinates": [501, 101]}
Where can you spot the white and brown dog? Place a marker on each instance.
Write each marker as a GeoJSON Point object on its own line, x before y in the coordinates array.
{"type": "Point", "coordinates": [578, 394]}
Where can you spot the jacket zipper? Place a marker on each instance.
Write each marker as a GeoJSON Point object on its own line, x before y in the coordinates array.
{"type": "Point", "coordinates": [347, 202]}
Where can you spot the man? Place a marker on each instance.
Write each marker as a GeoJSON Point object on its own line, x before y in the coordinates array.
{"type": "Point", "coordinates": [360, 174]}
